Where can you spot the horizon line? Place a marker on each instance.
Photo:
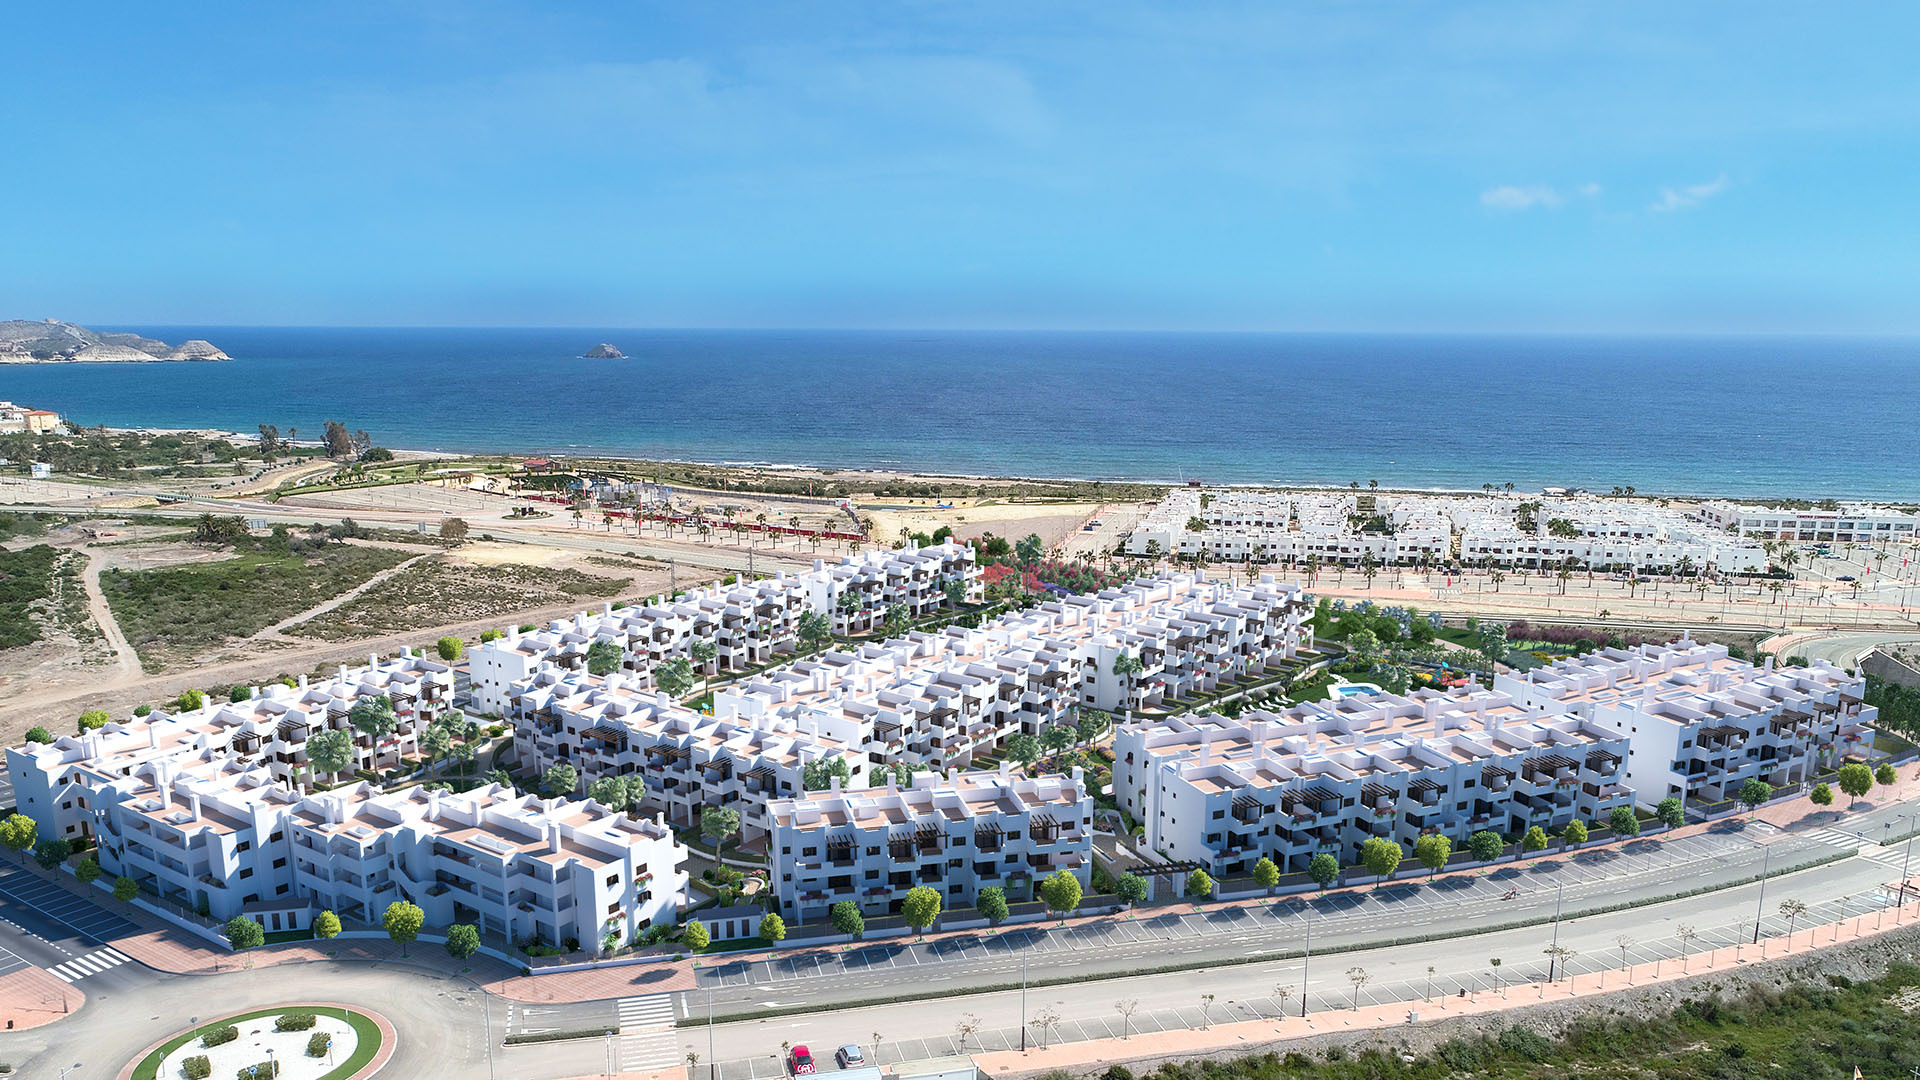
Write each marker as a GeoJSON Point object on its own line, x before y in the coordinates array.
{"type": "Point", "coordinates": [1242, 331]}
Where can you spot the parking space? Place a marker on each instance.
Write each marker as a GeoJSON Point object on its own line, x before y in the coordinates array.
{"type": "Point", "coordinates": [34, 894]}
{"type": "Point", "coordinates": [10, 962]}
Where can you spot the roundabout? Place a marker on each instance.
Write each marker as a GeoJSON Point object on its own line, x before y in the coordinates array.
{"type": "Point", "coordinates": [304, 1041]}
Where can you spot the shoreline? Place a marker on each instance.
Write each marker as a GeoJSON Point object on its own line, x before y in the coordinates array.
{"type": "Point", "coordinates": [899, 473]}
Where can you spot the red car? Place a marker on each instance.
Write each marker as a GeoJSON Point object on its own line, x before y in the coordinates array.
{"type": "Point", "coordinates": [799, 1062]}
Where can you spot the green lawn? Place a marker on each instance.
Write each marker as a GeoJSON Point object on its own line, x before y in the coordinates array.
{"type": "Point", "coordinates": [366, 1034]}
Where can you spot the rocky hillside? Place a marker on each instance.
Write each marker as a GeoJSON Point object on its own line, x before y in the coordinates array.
{"type": "Point", "coordinates": [23, 342]}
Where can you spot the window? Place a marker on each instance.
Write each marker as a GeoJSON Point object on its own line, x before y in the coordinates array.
{"type": "Point", "coordinates": [243, 845]}
{"type": "Point", "coordinates": [613, 879]}
{"type": "Point", "coordinates": [279, 864]}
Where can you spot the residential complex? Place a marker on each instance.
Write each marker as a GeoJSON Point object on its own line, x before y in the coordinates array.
{"type": "Point", "coordinates": [747, 624]}
{"type": "Point", "coordinates": [1843, 523]}
{"type": "Point", "coordinates": [956, 833]}
{"type": "Point", "coordinates": [1702, 723]}
{"type": "Point", "coordinates": [926, 700]}
{"type": "Point", "coordinates": [1348, 528]}
{"type": "Point", "coordinates": [1328, 776]}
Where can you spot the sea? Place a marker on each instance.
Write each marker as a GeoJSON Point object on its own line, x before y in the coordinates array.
{"type": "Point", "coordinates": [1807, 417]}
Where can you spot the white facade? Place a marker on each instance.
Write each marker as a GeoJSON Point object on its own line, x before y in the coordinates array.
{"type": "Point", "coordinates": [1329, 776]}
{"type": "Point", "coordinates": [1701, 723]}
{"type": "Point", "coordinates": [1846, 523]}
{"type": "Point", "coordinates": [956, 833]}
{"type": "Point", "coordinates": [747, 623]}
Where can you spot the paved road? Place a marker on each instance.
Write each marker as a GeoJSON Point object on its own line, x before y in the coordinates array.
{"type": "Point", "coordinates": [1844, 647]}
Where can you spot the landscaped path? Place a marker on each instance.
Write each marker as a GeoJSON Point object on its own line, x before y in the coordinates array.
{"type": "Point", "coordinates": [126, 661]}
{"type": "Point", "coordinates": [280, 628]}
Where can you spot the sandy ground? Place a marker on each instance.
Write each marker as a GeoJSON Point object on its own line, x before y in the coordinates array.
{"type": "Point", "coordinates": [1053, 522]}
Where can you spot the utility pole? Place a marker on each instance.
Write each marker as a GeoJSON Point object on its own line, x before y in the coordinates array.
{"type": "Point", "coordinates": [486, 1004]}
{"type": "Point", "coordinates": [1553, 954]}
{"type": "Point", "coordinates": [1906, 861]}
{"type": "Point", "coordinates": [1305, 963]}
{"type": "Point", "coordinates": [1765, 862]}
{"type": "Point", "coordinates": [711, 1074]}
{"type": "Point", "coordinates": [1023, 1003]}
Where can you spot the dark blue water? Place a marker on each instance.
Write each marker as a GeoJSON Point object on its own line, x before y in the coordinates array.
{"type": "Point", "coordinates": [1759, 416]}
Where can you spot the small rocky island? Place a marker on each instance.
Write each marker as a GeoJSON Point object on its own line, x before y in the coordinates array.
{"type": "Point", "coordinates": [604, 351]}
{"type": "Point", "coordinates": [24, 342]}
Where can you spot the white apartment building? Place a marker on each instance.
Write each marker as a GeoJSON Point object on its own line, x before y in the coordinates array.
{"type": "Point", "coordinates": [1343, 528]}
{"type": "Point", "coordinates": [1700, 723]}
{"type": "Point", "coordinates": [269, 730]}
{"type": "Point", "coordinates": [956, 833]}
{"type": "Point", "coordinates": [605, 725]}
{"type": "Point", "coordinates": [1329, 776]}
{"type": "Point", "coordinates": [1847, 523]}
{"type": "Point", "coordinates": [748, 623]}
{"type": "Point", "coordinates": [207, 830]}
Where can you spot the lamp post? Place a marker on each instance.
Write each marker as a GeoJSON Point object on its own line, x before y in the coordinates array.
{"type": "Point", "coordinates": [1305, 963]}
{"type": "Point", "coordinates": [1766, 862]}
{"type": "Point", "coordinates": [1023, 1002]}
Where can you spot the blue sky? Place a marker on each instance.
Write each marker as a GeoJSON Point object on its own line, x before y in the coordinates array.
{"type": "Point", "coordinates": [1388, 166]}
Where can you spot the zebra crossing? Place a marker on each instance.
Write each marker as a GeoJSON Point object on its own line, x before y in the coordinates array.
{"type": "Point", "coordinates": [1893, 858]}
{"type": "Point", "coordinates": [1846, 838]}
{"type": "Point", "coordinates": [647, 1036]}
{"type": "Point", "coordinates": [92, 963]}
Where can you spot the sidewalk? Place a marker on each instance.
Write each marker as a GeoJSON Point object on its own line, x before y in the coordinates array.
{"type": "Point", "coordinates": [32, 996]}
{"type": "Point", "coordinates": [1251, 1035]}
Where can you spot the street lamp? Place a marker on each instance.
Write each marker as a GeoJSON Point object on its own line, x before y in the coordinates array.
{"type": "Point", "coordinates": [1766, 861]}
{"type": "Point", "coordinates": [1306, 962]}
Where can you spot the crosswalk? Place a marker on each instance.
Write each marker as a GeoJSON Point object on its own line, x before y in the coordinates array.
{"type": "Point", "coordinates": [1893, 858]}
{"type": "Point", "coordinates": [1847, 838]}
{"type": "Point", "coordinates": [647, 1037]}
{"type": "Point", "coordinates": [92, 963]}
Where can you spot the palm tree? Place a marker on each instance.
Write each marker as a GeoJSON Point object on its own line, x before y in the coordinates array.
{"type": "Point", "coordinates": [1128, 667]}
{"type": "Point", "coordinates": [1496, 577]}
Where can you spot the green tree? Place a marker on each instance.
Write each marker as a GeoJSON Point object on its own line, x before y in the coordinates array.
{"type": "Point", "coordinates": [1534, 840]}
{"type": "Point", "coordinates": [815, 630]}
{"type": "Point", "coordinates": [39, 735]}
{"type": "Point", "coordinates": [1822, 795]}
{"type": "Point", "coordinates": [402, 923]}
{"type": "Point", "coordinates": [453, 529]}
{"type": "Point", "coordinates": [1885, 775]}
{"type": "Point", "coordinates": [847, 919]}
{"type": "Point", "coordinates": [1200, 885]}
{"type": "Point", "coordinates": [920, 907]}
{"type": "Point", "coordinates": [330, 752]}
{"type": "Point", "coordinates": [624, 793]}
{"type": "Point", "coordinates": [1266, 874]}
{"type": "Point", "coordinates": [244, 933]}
{"type": "Point", "coordinates": [603, 657]}
{"type": "Point", "coordinates": [773, 928]}
{"type": "Point", "coordinates": [463, 940]}
{"type": "Point", "coordinates": [1130, 888]}
{"type": "Point", "coordinates": [1755, 792]}
{"type": "Point", "coordinates": [719, 822]}
{"type": "Point", "coordinates": [327, 925]}
{"type": "Point", "coordinates": [1029, 550]}
{"type": "Point", "coordinates": [1671, 812]}
{"type": "Point", "coordinates": [695, 936]}
{"type": "Point", "coordinates": [560, 781]}
{"type": "Point", "coordinates": [1380, 856]}
{"type": "Point", "coordinates": [1486, 845]}
{"type": "Point", "coordinates": [1092, 723]}
{"type": "Point", "coordinates": [1062, 892]}
{"type": "Point", "coordinates": [1057, 738]}
{"type": "Point", "coordinates": [51, 853]}
{"type": "Point", "coordinates": [1023, 748]}
{"type": "Point", "coordinates": [992, 904]}
{"type": "Point", "coordinates": [820, 773]}
{"type": "Point", "coordinates": [436, 742]}
{"type": "Point", "coordinates": [1493, 645]}
{"type": "Point", "coordinates": [373, 717]}
{"type": "Point", "coordinates": [17, 832]}
{"type": "Point", "coordinates": [899, 617]}
{"type": "Point", "coordinates": [87, 872]}
{"type": "Point", "coordinates": [675, 677]}
{"type": "Point", "coordinates": [1324, 868]}
{"type": "Point", "coordinates": [451, 649]}
{"type": "Point", "coordinates": [125, 888]}
{"type": "Point", "coordinates": [1855, 779]}
{"type": "Point", "coordinates": [1623, 821]}
{"type": "Point", "coordinates": [189, 700]}
{"type": "Point", "coordinates": [1576, 833]}
{"type": "Point", "coordinates": [1433, 850]}
{"type": "Point", "coordinates": [93, 719]}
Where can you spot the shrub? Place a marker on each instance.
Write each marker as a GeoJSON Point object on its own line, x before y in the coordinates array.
{"type": "Point", "coordinates": [1822, 795]}
{"type": "Point", "coordinates": [93, 720]}
{"type": "Point", "coordinates": [125, 888]}
{"type": "Point", "coordinates": [264, 1070]}
{"type": "Point", "coordinates": [295, 1021]}
{"type": "Point", "coordinates": [142, 710]}
{"type": "Point", "coordinates": [197, 1067]}
{"type": "Point", "coordinates": [244, 933]}
{"type": "Point", "coordinates": [697, 937]}
{"type": "Point", "coordinates": [240, 693]}
{"type": "Point", "coordinates": [220, 1036]}
{"type": "Point", "coordinates": [39, 735]}
{"type": "Point", "coordinates": [318, 1043]}
{"type": "Point", "coordinates": [1523, 1043]}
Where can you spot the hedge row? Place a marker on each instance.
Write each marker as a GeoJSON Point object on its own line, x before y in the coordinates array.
{"type": "Point", "coordinates": [560, 1036]}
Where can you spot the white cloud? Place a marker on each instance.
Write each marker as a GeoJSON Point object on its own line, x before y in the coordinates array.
{"type": "Point", "coordinates": [1526, 197]}
{"type": "Point", "coordinates": [1513, 197]}
{"type": "Point", "coordinates": [1692, 195]}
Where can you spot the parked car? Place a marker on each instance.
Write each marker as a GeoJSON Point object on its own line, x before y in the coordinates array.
{"type": "Point", "coordinates": [799, 1062]}
{"type": "Point", "coordinates": [1846, 577]}
{"type": "Point", "coordinates": [850, 1057]}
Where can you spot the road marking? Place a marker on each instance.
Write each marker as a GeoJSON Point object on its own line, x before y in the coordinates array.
{"type": "Point", "coordinates": [92, 963]}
